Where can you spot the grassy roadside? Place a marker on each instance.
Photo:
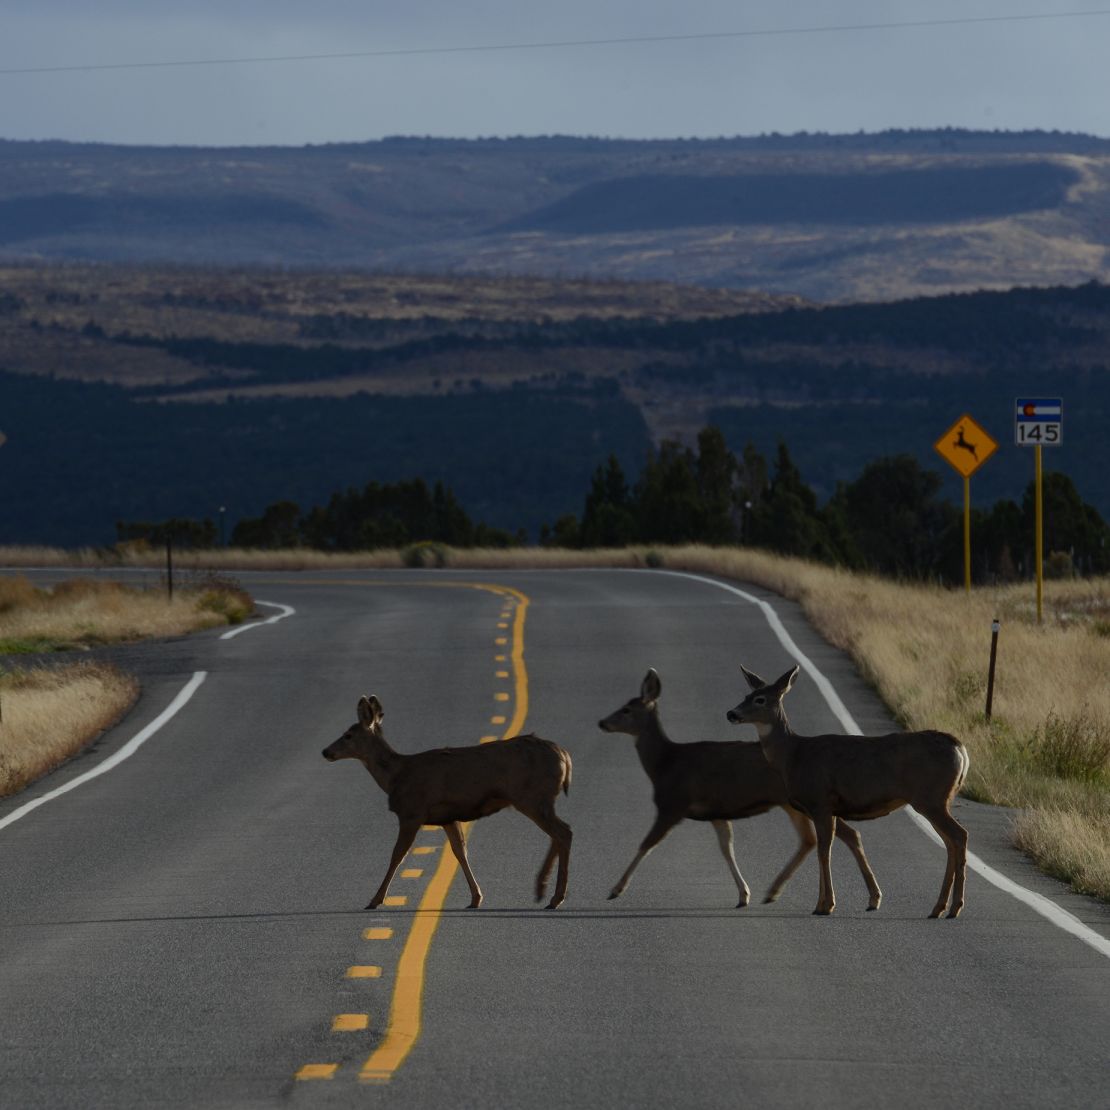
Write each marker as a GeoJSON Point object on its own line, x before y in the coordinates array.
{"type": "Point", "coordinates": [49, 713]}
{"type": "Point", "coordinates": [925, 650]}
{"type": "Point", "coordinates": [84, 612]}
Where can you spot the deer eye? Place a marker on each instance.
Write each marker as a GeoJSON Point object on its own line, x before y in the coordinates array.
{"type": "Point", "coordinates": [759, 700]}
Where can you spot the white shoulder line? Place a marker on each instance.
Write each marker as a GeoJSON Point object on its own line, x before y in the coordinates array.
{"type": "Point", "coordinates": [288, 611]}
{"type": "Point", "coordinates": [128, 750]}
{"type": "Point", "coordinates": [1044, 906]}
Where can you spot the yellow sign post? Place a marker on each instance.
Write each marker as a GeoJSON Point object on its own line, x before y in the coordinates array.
{"type": "Point", "coordinates": [965, 447]}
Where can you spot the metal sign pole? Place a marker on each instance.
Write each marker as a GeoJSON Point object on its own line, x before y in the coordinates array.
{"type": "Point", "coordinates": [967, 535]}
{"type": "Point", "coordinates": [1038, 542]}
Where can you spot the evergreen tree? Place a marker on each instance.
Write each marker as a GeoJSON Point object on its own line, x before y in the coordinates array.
{"type": "Point", "coordinates": [608, 518]}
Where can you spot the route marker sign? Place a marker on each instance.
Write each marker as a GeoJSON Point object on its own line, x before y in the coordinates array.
{"type": "Point", "coordinates": [1039, 421]}
{"type": "Point", "coordinates": [966, 446]}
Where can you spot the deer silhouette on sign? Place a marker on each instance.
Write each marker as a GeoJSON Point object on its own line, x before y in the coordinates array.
{"type": "Point", "coordinates": [961, 442]}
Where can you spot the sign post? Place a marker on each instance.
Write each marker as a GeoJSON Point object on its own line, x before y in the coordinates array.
{"type": "Point", "coordinates": [965, 447]}
{"type": "Point", "coordinates": [1038, 421]}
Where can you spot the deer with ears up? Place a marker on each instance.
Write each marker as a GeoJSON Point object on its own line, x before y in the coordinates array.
{"type": "Point", "coordinates": [447, 786]}
{"type": "Point", "coordinates": [717, 782]}
{"type": "Point", "coordinates": [834, 776]}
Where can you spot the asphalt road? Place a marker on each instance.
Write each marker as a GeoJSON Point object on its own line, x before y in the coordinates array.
{"type": "Point", "coordinates": [184, 929]}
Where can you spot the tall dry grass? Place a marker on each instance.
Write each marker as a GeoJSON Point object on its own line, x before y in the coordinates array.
{"type": "Point", "coordinates": [83, 612]}
{"type": "Point", "coordinates": [47, 714]}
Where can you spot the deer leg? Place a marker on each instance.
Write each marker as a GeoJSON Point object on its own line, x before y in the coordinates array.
{"type": "Point", "coordinates": [545, 870]}
{"type": "Point", "coordinates": [824, 826]}
{"type": "Point", "coordinates": [855, 845]}
{"type": "Point", "coordinates": [724, 838]}
{"type": "Point", "coordinates": [559, 831]}
{"type": "Point", "coordinates": [806, 842]}
{"type": "Point", "coordinates": [406, 834]}
{"type": "Point", "coordinates": [663, 825]}
{"type": "Point", "coordinates": [954, 836]}
{"type": "Point", "coordinates": [458, 845]}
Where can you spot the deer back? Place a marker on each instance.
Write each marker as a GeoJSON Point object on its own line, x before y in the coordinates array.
{"type": "Point", "coordinates": [465, 783]}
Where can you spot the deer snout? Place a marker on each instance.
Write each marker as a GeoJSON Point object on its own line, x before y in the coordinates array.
{"type": "Point", "coordinates": [733, 717]}
{"type": "Point", "coordinates": [329, 753]}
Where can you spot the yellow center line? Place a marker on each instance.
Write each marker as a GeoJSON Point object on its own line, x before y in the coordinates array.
{"type": "Point", "coordinates": [405, 1014]}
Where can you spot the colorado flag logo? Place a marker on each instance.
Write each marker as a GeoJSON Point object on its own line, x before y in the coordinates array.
{"type": "Point", "coordinates": [1039, 408]}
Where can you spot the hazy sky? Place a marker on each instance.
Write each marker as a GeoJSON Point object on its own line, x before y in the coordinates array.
{"type": "Point", "coordinates": [1024, 73]}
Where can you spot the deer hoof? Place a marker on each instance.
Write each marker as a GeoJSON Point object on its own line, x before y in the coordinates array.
{"type": "Point", "coordinates": [955, 911]}
{"type": "Point", "coordinates": [553, 905]}
{"type": "Point", "coordinates": [821, 912]}
{"type": "Point", "coordinates": [613, 894]}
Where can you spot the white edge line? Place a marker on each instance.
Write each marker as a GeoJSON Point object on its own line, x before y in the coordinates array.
{"type": "Point", "coordinates": [128, 750]}
{"type": "Point", "coordinates": [1059, 917]}
{"type": "Point", "coordinates": [288, 612]}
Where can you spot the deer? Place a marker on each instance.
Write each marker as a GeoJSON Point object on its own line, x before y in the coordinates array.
{"type": "Point", "coordinates": [834, 776]}
{"type": "Point", "coordinates": [718, 782]}
{"type": "Point", "coordinates": [447, 786]}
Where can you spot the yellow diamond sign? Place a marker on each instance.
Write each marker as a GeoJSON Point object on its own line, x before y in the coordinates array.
{"type": "Point", "coordinates": [966, 446]}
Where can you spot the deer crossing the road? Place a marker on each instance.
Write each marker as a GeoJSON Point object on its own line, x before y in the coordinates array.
{"type": "Point", "coordinates": [717, 782]}
{"type": "Point", "coordinates": [833, 776]}
{"type": "Point", "coordinates": [447, 786]}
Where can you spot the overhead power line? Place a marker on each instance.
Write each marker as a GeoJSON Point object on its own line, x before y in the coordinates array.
{"type": "Point", "coordinates": [566, 44]}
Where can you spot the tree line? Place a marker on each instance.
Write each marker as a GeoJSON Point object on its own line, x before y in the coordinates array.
{"type": "Point", "coordinates": [890, 520]}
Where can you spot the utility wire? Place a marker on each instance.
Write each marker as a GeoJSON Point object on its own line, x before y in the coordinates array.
{"type": "Point", "coordinates": [566, 44]}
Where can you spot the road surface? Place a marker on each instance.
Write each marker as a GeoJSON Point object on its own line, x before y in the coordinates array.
{"type": "Point", "coordinates": [186, 929]}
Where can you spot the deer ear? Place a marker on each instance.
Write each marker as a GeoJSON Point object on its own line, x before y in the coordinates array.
{"type": "Point", "coordinates": [784, 682]}
{"type": "Point", "coordinates": [370, 711]}
{"type": "Point", "coordinates": [651, 687]}
{"type": "Point", "coordinates": [754, 681]}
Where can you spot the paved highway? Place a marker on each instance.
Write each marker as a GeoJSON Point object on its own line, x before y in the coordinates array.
{"type": "Point", "coordinates": [186, 928]}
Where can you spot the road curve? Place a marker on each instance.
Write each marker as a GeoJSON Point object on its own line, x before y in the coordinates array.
{"type": "Point", "coordinates": [185, 929]}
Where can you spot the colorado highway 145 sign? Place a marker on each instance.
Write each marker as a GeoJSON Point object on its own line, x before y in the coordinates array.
{"type": "Point", "coordinates": [1039, 421]}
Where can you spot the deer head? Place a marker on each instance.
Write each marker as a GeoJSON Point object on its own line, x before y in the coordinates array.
{"type": "Point", "coordinates": [631, 716]}
{"type": "Point", "coordinates": [764, 703]}
{"type": "Point", "coordinates": [357, 741]}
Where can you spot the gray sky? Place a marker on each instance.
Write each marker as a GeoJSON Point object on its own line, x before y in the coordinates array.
{"type": "Point", "coordinates": [1029, 73]}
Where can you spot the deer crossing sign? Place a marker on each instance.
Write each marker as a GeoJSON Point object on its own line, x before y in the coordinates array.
{"type": "Point", "coordinates": [966, 446]}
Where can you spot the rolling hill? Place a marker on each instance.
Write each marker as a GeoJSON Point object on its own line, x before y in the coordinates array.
{"type": "Point", "coordinates": [825, 217]}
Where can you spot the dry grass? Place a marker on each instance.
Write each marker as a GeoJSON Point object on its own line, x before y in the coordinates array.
{"type": "Point", "coordinates": [47, 714]}
{"type": "Point", "coordinates": [925, 650]}
{"type": "Point", "coordinates": [84, 612]}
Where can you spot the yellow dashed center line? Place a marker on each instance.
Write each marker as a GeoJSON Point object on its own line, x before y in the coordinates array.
{"type": "Point", "coordinates": [364, 971]}
{"type": "Point", "coordinates": [405, 1017]}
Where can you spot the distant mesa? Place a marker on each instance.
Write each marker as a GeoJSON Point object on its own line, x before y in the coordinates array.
{"type": "Point", "coordinates": [922, 196]}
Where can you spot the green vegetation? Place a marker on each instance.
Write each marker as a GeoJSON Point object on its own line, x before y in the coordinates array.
{"type": "Point", "coordinates": [889, 520]}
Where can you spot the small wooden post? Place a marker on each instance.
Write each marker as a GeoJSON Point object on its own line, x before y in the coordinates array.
{"type": "Point", "coordinates": [995, 626]}
{"type": "Point", "coordinates": [169, 566]}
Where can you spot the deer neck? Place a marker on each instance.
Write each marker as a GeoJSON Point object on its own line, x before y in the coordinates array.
{"type": "Point", "coordinates": [777, 739]}
{"type": "Point", "coordinates": [382, 761]}
{"type": "Point", "coordinates": [652, 744]}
